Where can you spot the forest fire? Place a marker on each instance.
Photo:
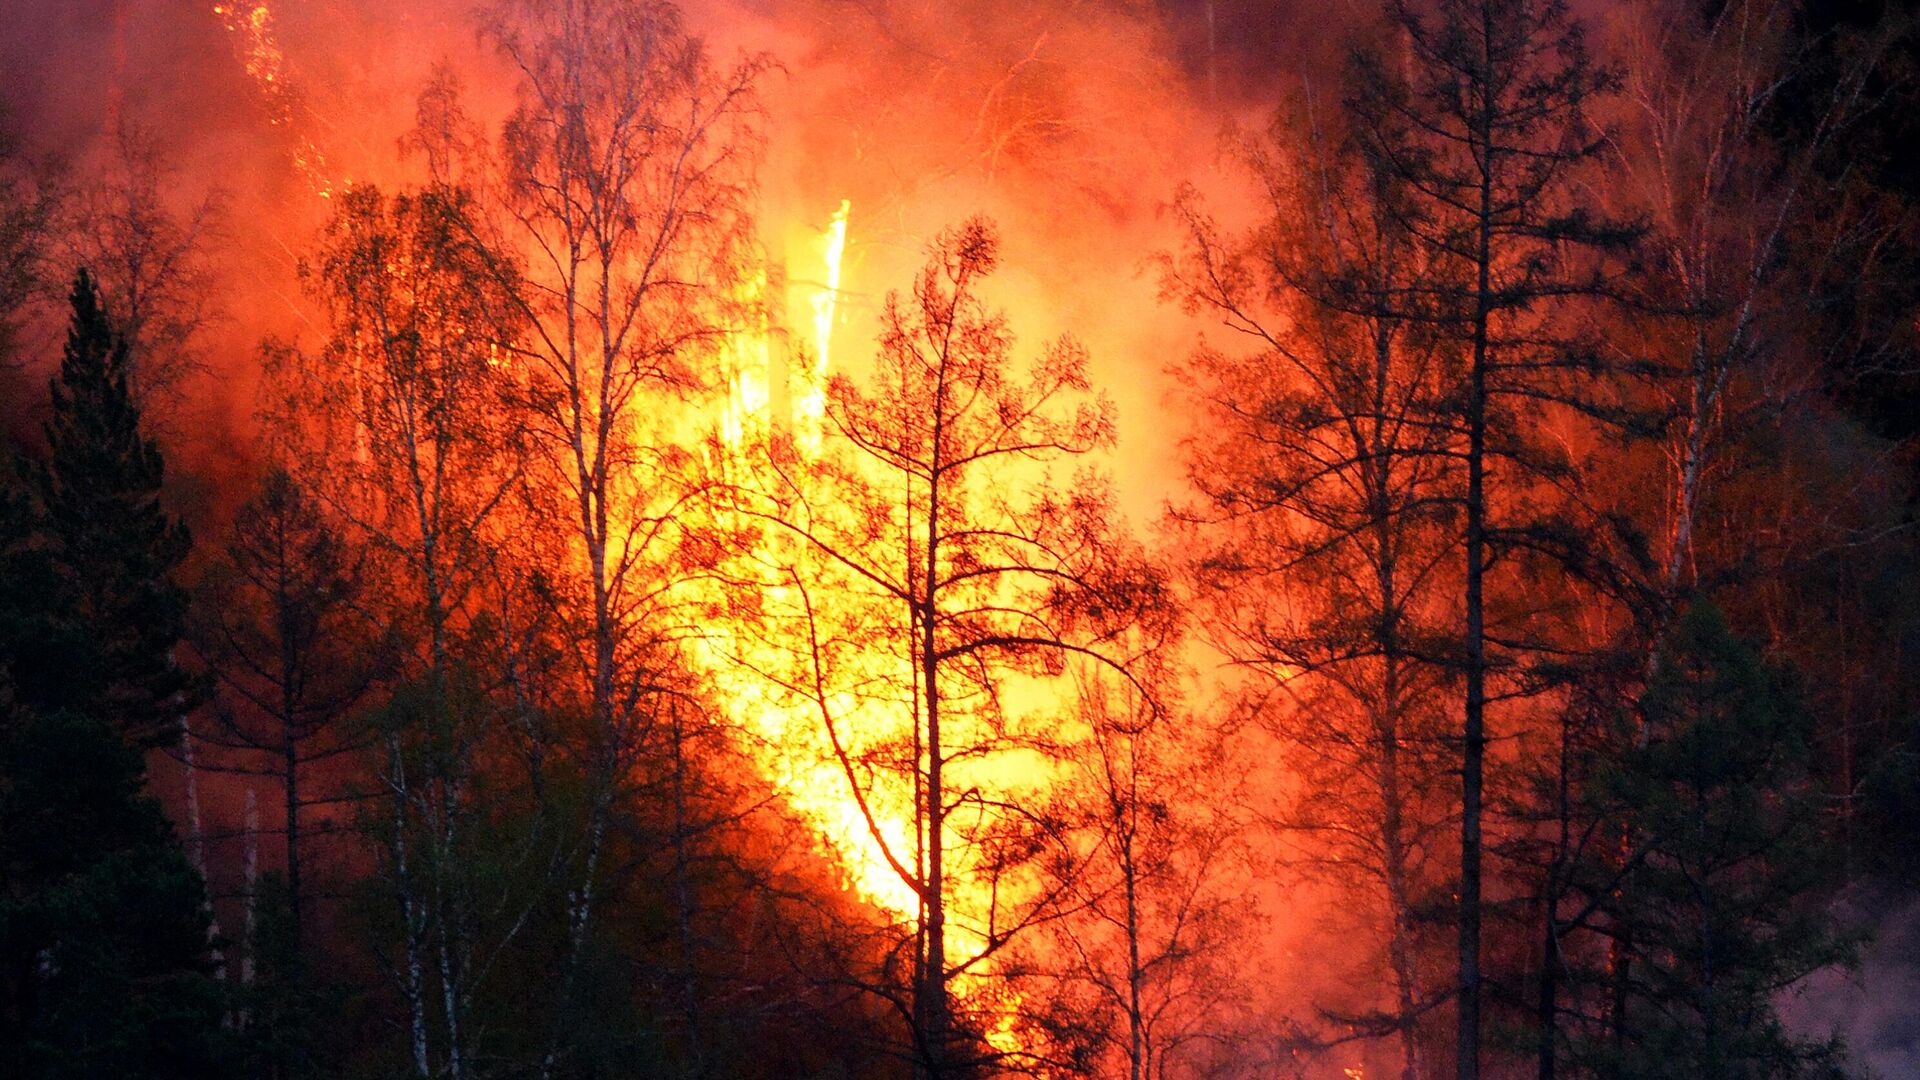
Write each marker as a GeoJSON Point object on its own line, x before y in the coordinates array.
{"type": "Point", "coordinates": [586, 538]}
{"type": "Point", "coordinates": [794, 749]}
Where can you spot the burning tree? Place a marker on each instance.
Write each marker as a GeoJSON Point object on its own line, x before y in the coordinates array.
{"type": "Point", "coordinates": [941, 580]}
{"type": "Point", "coordinates": [1136, 976]}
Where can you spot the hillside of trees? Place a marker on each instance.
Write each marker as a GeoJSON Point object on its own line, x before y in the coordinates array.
{"type": "Point", "coordinates": [1521, 681]}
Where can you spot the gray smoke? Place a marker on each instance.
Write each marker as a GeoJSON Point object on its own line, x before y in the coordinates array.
{"type": "Point", "coordinates": [1874, 1006]}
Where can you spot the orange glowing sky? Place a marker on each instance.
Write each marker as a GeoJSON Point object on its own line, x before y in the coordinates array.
{"type": "Point", "coordinates": [1071, 124]}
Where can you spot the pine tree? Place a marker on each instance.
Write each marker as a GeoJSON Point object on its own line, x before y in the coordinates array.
{"type": "Point", "coordinates": [1484, 117]}
{"type": "Point", "coordinates": [1324, 539]}
{"type": "Point", "coordinates": [109, 546]}
{"type": "Point", "coordinates": [104, 944]}
{"type": "Point", "coordinates": [1723, 907]}
{"type": "Point", "coordinates": [104, 966]}
{"type": "Point", "coordinates": [292, 659]}
{"type": "Point", "coordinates": [279, 626]}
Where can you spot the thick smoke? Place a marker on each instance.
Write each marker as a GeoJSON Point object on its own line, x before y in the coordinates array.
{"type": "Point", "coordinates": [1071, 122]}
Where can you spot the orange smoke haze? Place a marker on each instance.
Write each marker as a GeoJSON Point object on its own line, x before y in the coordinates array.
{"type": "Point", "coordinates": [1070, 123]}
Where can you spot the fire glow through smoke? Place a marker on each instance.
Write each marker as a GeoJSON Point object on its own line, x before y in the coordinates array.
{"type": "Point", "coordinates": [770, 371]}
{"type": "Point", "coordinates": [776, 366]}
{"type": "Point", "coordinates": [795, 752]}
{"type": "Point", "coordinates": [251, 24]}
{"type": "Point", "coordinates": [1110, 145]}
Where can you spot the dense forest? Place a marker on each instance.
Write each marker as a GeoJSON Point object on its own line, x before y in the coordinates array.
{"type": "Point", "coordinates": [1376, 542]}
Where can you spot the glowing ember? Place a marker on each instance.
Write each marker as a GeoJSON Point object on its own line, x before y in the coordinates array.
{"type": "Point", "coordinates": [252, 26]}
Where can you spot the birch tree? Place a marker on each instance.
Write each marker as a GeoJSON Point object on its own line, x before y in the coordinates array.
{"type": "Point", "coordinates": [401, 427]}
{"type": "Point", "coordinates": [615, 225]}
{"type": "Point", "coordinates": [151, 260]}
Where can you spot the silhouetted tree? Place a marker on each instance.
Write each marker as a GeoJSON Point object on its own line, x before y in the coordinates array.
{"type": "Point", "coordinates": [280, 626]}
{"type": "Point", "coordinates": [110, 545]}
{"type": "Point", "coordinates": [1323, 543]}
{"type": "Point", "coordinates": [151, 262]}
{"type": "Point", "coordinates": [103, 922]}
{"type": "Point", "coordinates": [1719, 316]}
{"type": "Point", "coordinates": [1136, 976]}
{"type": "Point", "coordinates": [622, 179]}
{"type": "Point", "coordinates": [32, 197]}
{"type": "Point", "coordinates": [105, 964]}
{"type": "Point", "coordinates": [1482, 117]}
{"type": "Point", "coordinates": [1725, 907]}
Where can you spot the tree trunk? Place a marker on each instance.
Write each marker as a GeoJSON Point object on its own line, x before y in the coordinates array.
{"type": "Point", "coordinates": [930, 1001]}
{"type": "Point", "coordinates": [290, 784]}
{"type": "Point", "coordinates": [684, 902]}
{"type": "Point", "coordinates": [1473, 748]}
{"type": "Point", "coordinates": [1399, 942]}
{"type": "Point", "coordinates": [1547, 1007]}
{"type": "Point", "coordinates": [1136, 977]}
{"type": "Point", "coordinates": [414, 985]}
{"type": "Point", "coordinates": [251, 876]}
{"type": "Point", "coordinates": [1473, 735]}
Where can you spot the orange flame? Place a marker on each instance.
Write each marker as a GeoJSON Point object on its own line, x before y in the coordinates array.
{"type": "Point", "coordinates": [796, 754]}
{"type": "Point", "coordinates": [809, 403]}
{"type": "Point", "coordinates": [793, 747]}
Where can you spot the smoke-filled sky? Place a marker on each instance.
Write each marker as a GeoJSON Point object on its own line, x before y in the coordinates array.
{"type": "Point", "coordinates": [1071, 122]}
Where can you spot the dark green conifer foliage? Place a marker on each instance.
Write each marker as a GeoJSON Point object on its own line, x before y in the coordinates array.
{"type": "Point", "coordinates": [104, 944]}
{"type": "Point", "coordinates": [110, 547]}
{"type": "Point", "coordinates": [1725, 905]}
{"type": "Point", "coordinates": [104, 967]}
{"type": "Point", "coordinates": [288, 1011]}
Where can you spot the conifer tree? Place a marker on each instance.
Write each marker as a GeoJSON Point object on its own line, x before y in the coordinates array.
{"type": "Point", "coordinates": [1484, 120]}
{"type": "Point", "coordinates": [104, 965]}
{"type": "Point", "coordinates": [1723, 907]}
{"type": "Point", "coordinates": [1324, 541]}
{"type": "Point", "coordinates": [110, 547]}
{"type": "Point", "coordinates": [104, 943]}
